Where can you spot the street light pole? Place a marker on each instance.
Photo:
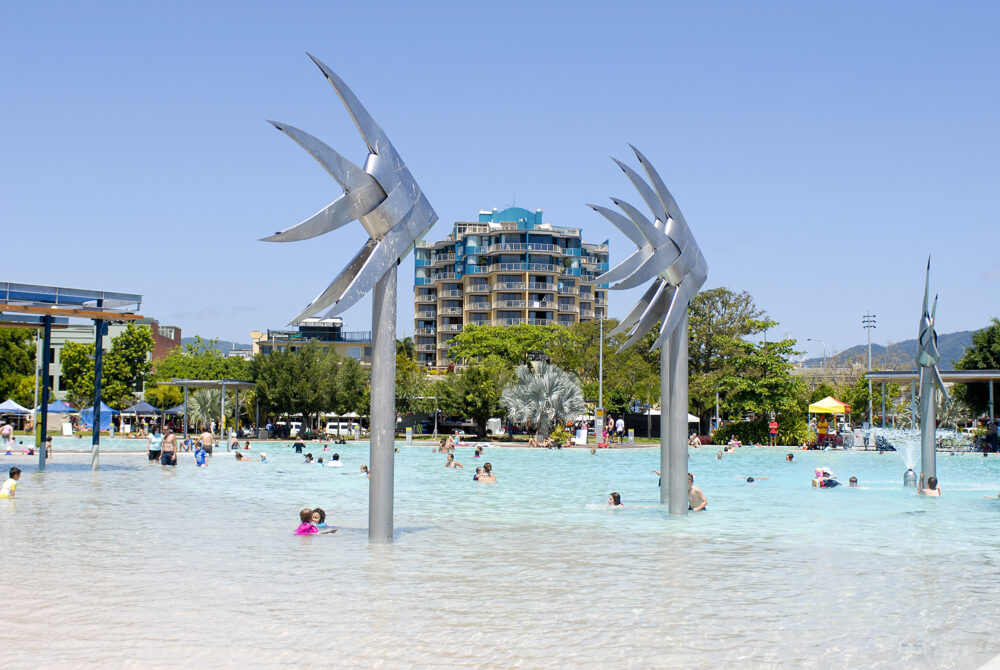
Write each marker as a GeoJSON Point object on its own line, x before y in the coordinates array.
{"type": "Point", "coordinates": [868, 322]}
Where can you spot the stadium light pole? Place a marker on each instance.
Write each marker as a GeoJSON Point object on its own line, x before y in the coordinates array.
{"type": "Point", "coordinates": [868, 322]}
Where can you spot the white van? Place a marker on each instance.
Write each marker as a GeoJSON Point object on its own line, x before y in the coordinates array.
{"type": "Point", "coordinates": [341, 428]}
{"type": "Point", "coordinates": [293, 427]}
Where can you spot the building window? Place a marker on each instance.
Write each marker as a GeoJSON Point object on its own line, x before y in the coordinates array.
{"type": "Point", "coordinates": [368, 352]}
{"type": "Point", "coordinates": [355, 353]}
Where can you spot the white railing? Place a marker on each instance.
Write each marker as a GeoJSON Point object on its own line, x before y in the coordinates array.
{"type": "Point", "coordinates": [572, 309]}
{"type": "Point", "coordinates": [508, 304]}
{"type": "Point", "coordinates": [442, 275]}
{"type": "Point", "coordinates": [480, 305]}
{"type": "Point", "coordinates": [426, 315]}
{"type": "Point", "coordinates": [451, 294]}
{"type": "Point", "coordinates": [541, 322]}
{"type": "Point", "coordinates": [450, 328]}
{"type": "Point", "coordinates": [508, 322]}
{"type": "Point", "coordinates": [524, 246]}
{"type": "Point", "coordinates": [426, 297]}
{"type": "Point", "coordinates": [450, 310]}
{"type": "Point", "coordinates": [478, 288]}
{"type": "Point", "coordinates": [529, 267]}
{"type": "Point", "coordinates": [424, 331]}
{"type": "Point", "coordinates": [536, 286]}
{"type": "Point", "coordinates": [568, 290]}
{"type": "Point", "coordinates": [510, 286]}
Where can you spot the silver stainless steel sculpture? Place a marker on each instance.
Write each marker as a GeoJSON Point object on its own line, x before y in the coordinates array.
{"type": "Point", "coordinates": [930, 381]}
{"type": "Point", "coordinates": [668, 254]}
{"type": "Point", "coordinates": [387, 201]}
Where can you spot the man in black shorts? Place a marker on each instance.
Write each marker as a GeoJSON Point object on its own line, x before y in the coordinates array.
{"type": "Point", "coordinates": [169, 448]}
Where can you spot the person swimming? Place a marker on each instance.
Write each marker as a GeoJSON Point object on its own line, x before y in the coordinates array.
{"type": "Point", "coordinates": [615, 500]}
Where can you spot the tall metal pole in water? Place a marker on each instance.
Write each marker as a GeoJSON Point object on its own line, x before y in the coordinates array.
{"type": "Point", "coordinates": [665, 478]}
{"type": "Point", "coordinates": [669, 256]}
{"type": "Point", "coordinates": [930, 381]}
{"type": "Point", "coordinates": [677, 351]}
{"type": "Point", "coordinates": [95, 440]}
{"type": "Point", "coordinates": [383, 409]}
{"type": "Point", "coordinates": [44, 427]}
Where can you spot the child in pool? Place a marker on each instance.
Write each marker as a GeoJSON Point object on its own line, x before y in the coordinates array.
{"type": "Point", "coordinates": [306, 527]}
{"type": "Point", "coordinates": [10, 485]}
{"type": "Point", "coordinates": [319, 520]}
{"type": "Point", "coordinates": [199, 457]}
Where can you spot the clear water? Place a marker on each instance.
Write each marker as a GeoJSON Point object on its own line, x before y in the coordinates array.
{"type": "Point", "coordinates": [141, 566]}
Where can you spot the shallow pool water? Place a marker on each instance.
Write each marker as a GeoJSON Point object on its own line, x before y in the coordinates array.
{"type": "Point", "coordinates": [141, 566]}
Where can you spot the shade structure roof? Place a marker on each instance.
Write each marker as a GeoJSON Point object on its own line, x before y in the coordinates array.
{"type": "Point", "coordinates": [39, 300]}
{"type": "Point", "coordinates": [829, 405]}
{"type": "Point", "coordinates": [58, 407]}
{"type": "Point", "coordinates": [957, 376]}
{"type": "Point", "coordinates": [11, 407]}
{"type": "Point", "coordinates": [174, 411]}
{"type": "Point", "coordinates": [238, 384]}
{"type": "Point", "coordinates": [141, 407]}
{"type": "Point", "coordinates": [104, 408]}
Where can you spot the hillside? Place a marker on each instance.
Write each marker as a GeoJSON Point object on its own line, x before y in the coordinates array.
{"type": "Point", "coordinates": [951, 346]}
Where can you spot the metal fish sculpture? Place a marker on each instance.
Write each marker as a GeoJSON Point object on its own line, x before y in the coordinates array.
{"type": "Point", "coordinates": [383, 196]}
{"type": "Point", "coordinates": [667, 253]}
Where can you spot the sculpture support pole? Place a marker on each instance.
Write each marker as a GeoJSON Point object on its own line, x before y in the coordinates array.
{"type": "Point", "coordinates": [383, 408]}
{"type": "Point", "coordinates": [928, 424]}
{"type": "Point", "coordinates": [664, 425]}
{"type": "Point", "coordinates": [43, 428]}
{"type": "Point", "coordinates": [882, 420]}
{"type": "Point", "coordinates": [95, 417]}
{"type": "Point", "coordinates": [677, 351]}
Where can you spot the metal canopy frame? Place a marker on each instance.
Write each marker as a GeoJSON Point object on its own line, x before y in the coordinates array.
{"type": "Point", "coordinates": [48, 307]}
{"type": "Point", "coordinates": [948, 376]}
{"type": "Point", "coordinates": [235, 384]}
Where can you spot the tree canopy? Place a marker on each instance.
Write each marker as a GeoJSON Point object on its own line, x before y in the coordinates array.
{"type": "Point", "coordinates": [17, 361]}
{"type": "Point", "coordinates": [124, 369]}
{"type": "Point", "coordinates": [984, 354]}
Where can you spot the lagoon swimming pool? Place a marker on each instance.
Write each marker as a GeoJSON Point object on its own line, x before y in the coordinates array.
{"type": "Point", "coordinates": [151, 567]}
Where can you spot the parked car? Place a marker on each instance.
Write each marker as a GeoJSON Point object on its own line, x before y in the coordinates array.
{"type": "Point", "coordinates": [340, 428]}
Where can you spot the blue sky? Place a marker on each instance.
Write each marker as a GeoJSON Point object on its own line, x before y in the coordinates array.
{"type": "Point", "coordinates": [820, 151]}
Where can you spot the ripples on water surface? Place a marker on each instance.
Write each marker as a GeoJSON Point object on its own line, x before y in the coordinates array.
{"type": "Point", "coordinates": [140, 566]}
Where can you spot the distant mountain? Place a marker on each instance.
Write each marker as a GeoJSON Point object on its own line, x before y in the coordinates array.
{"type": "Point", "coordinates": [221, 345]}
{"type": "Point", "coordinates": [951, 346]}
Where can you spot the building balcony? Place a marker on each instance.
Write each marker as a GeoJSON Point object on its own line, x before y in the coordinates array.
{"type": "Point", "coordinates": [567, 308]}
{"type": "Point", "coordinates": [478, 306]}
{"type": "Point", "coordinates": [438, 276]}
{"type": "Point", "coordinates": [508, 304]}
{"type": "Point", "coordinates": [541, 322]}
{"type": "Point", "coordinates": [566, 323]}
{"type": "Point", "coordinates": [510, 286]}
{"type": "Point", "coordinates": [477, 288]}
{"type": "Point", "coordinates": [478, 322]}
{"type": "Point", "coordinates": [539, 286]}
{"type": "Point", "coordinates": [425, 297]}
{"type": "Point", "coordinates": [442, 258]}
{"type": "Point", "coordinates": [450, 328]}
{"type": "Point", "coordinates": [568, 290]}
{"type": "Point", "coordinates": [601, 301]}
{"type": "Point", "coordinates": [424, 331]}
{"type": "Point", "coordinates": [508, 322]}
{"type": "Point", "coordinates": [451, 294]}
{"type": "Point", "coordinates": [476, 270]}
{"type": "Point", "coordinates": [426, 315]}
{"type": "Point", "coordinates": [525, 246]}
{"type": "Point", "coordinates": [527, 267]}
{"type": "Point", "coordinates": [450, 310]}
{"type": "Point", "coordinates": [586, 314]}
{"type": "Point", "coordinates": [542, 304]}
{"type": "Point", "coordinates": [427, 347]}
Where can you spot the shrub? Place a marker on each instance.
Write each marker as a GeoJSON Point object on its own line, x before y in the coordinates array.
{"type": "Point", "coordinates": [751, 432]}
{"type": "Point", "coordinates": [559, 435]}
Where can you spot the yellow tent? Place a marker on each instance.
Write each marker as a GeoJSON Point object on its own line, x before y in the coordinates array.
{"type": "Point", "coordinates": [829, 405]}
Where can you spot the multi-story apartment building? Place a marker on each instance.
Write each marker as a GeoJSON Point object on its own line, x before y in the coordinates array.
{"type": "Point", "coordinates": [325, 333]}
{"type": "Point", "coordinates": [506, 269]}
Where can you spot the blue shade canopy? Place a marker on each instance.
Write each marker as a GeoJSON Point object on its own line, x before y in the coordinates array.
{"type": "Point", "coordinates": [58, 407]}
{"type": "Point", "coordinates": [104, 410]}
{"type": "Point", "coordinates": [176, 411]}
{"type": "Point", "coordinates": [11, 407]}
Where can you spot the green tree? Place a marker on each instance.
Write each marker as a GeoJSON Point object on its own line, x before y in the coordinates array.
{"type": "Point", "coordinates": [983, 354]}
{"type": "Point", "coordinates": [411, 386]}
{"type": "Point", "coordinates": [515, 344]}
{"type": "Point", "coordinates": [163, 397]}
{"type": "Point", "coordinates": [407, 348]}
{"type": "Point", "coordinates": [759, 380]}
{"type": "Point", "coordinates": [17, 360]}
{"type": "Point", "coordinates": [719, 317]}
{"type": "Point", "coordinates": [124, 368]}
{"type": "Point", "coordinates": [475, 391]}
{"type": "Point", "coordinates": [538, 397]}
{"type": "Point", "coordinates": [201, 359]}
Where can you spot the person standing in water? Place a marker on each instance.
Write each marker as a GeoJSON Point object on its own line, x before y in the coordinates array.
{"type": "Point", "coordinates": [168, 448]}
{"type": "Point", "coordinates": [207, 441]}
{"type": "Point", "coordinates": [697, 501]}
{"type": "Point", "coordinates": [932, 489]}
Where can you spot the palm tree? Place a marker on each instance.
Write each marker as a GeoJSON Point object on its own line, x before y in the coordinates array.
{"type": "Point", "coordinates": [539, 397]}
{"type": "Point", "coordinates": [406, 347]}
{"type": "Point", "coordinates": [205, 405]}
